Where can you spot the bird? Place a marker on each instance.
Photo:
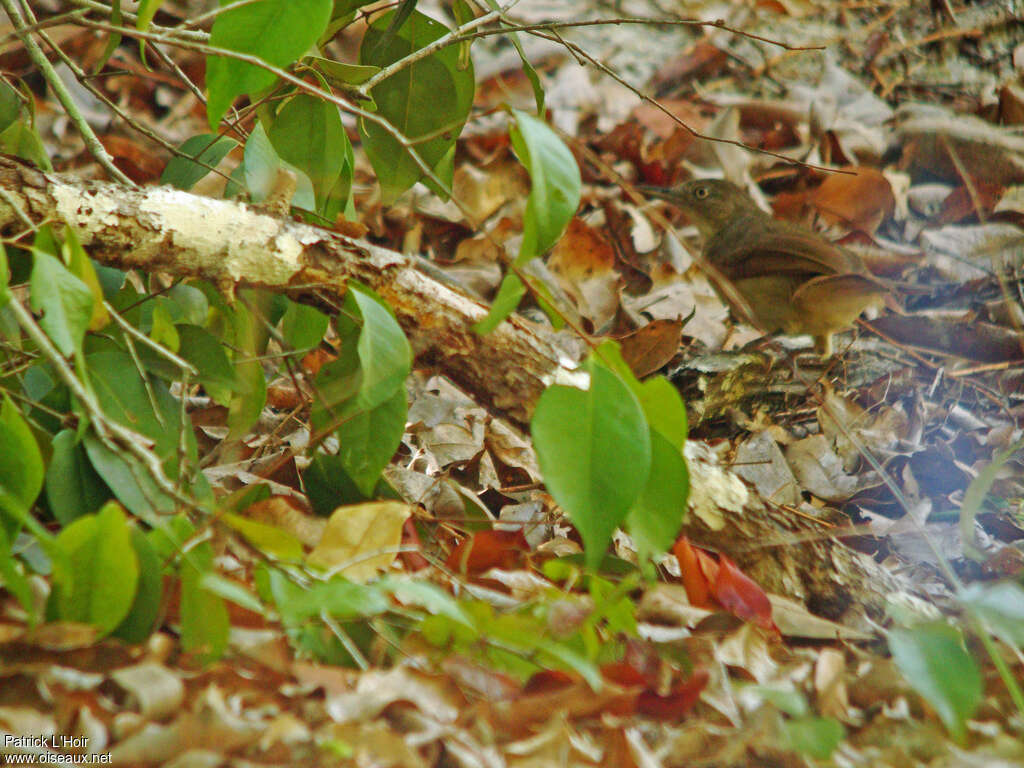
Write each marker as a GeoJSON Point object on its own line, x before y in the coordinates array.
{"type": "Point", "coordinates": [790, 278]}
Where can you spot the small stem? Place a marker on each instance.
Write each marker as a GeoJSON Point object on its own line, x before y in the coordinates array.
{"type": "Point", "coordinates": [61, 92]}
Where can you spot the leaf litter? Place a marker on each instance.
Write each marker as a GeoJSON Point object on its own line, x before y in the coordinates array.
{"type": "Point", "coordinates": [748, 664]}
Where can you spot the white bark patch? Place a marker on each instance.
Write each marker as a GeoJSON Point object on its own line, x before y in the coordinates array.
{"type": "Point", "coordinates": [87, 214]}
{"type": "Point", "coordinates": [247, 244]}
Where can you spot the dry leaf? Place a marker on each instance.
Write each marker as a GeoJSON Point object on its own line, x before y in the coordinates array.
{"type": "Point", "coordinates": [863, 201]}
{"type": "Point", "coordinates": [584, 264]}
{"type": "Point", "coordinates": [361, 539]}
{"type": "Point", "coordinates": [647, 349]}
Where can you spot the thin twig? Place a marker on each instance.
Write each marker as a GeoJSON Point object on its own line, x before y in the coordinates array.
{"type": "Point", "coordinates": [692, 131]}
{"type": "Point", "coordinates": [310, 89]}
{"type": "Point", "coordinates": [114, 436]}
{"type": "Point", "coordinates": [61, 92]}
{"type": "Point", "coordinates": [194, 36]}
{"type": "Point", "coordinates": [452, 38]}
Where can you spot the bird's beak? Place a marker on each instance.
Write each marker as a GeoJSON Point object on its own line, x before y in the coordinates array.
{"type": "Point", "coordinates": [660, 193]}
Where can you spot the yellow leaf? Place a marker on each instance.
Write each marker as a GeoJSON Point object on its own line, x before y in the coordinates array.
{"type": "Point", "coordinates": [360, 540]}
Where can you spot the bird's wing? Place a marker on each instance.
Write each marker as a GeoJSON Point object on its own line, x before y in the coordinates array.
{"type": "Point", "coordinates": [742, 250]}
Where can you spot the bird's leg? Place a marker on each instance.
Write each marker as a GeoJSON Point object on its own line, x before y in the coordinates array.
{"type": "Point", "coordinates": [823, 345]}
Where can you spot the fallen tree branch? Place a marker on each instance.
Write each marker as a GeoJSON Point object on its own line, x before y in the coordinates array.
{"type": "Point", "coordinates": [158, 229]}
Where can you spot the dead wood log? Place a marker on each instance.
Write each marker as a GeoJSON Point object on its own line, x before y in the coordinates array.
{"type": "Point", "coordinates": [159, 229]}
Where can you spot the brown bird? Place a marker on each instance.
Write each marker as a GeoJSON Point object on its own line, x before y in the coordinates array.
{"type": "Point", "coordinates": [791, 279]}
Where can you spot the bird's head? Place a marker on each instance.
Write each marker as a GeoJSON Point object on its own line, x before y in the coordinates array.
{"type": "Point", "coordinates": [709, 203]}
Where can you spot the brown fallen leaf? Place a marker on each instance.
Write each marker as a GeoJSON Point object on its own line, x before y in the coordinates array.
{"type": "Point", "coordinates": [584, 264]}
{"type": "Point", "coordinates": [647, 349]}
{"type": "Point", "coordinates": [862, 201]}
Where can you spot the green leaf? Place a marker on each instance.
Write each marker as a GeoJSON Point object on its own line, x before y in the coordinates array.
{"type": "Point", "coordinates": [114, 39]}
{"type": "Point", "coordinates": [430, 597]}
{"type": "Point", "coordinates": [73, 488]}
{"type": "Point", "coordinates": [656, 517]}
{"type": "Point", "coordinates": [104, 569]}
{"type": "Point", "coordinates": [22, 140]}
{"type": "Point", "coordinates": [1000, 606]}
{"type": "Point", "coordinates": [337, 385]}
{"type": "Point", "coordinates": [339, 598]}
{"type": "Point", "coordinates": [267, 538]}
{"type": "Point", "coordinates": [250, 394]}
{"type": "Point", "coordinates": [276, 31]}
{"type": "Point", "coordinates": [594, 450]}
{"type": "Point", "coordinates": [361, 395]}
{"type": "Point", "coordinates": [400, 16]}
{"type": "Point", "coordinates": [663, 408]}
{"type": "Point", "coordinates": [816, 737]}
{"type": "Point", "coordinates": [216, 584]}
{"type": "Point", "coordinates": [788, 700]}
{"type": "Point", "coordinates": [198, 155]}
{"type": "Point", "coordinates": [384, 353]}
{"type": "Point", "coordinates": [303, 327]}
{"type": "Point", "coordinates": [140, 403]}
{"type": "Point", "coordinates": [369, 438]}
{"type": "Point", "coordinates": [146, 11]}
{"type": "Point", "coordinates": [128, 481]}
{"type": "Point", "coordinates": [145, 610]}
{"type": "Point", "coordinates": [204, 617]}
{"type": "Point", "coordinates": [163, 331]}
{"type": "Point", "coordinates": [555, 184]}
{"type": "Point", "coordinates": [974, 499]}
{"type": "Point", "coordinates": [207, 355]}
{"type": "Point", "coordinates": [261, 167]}
{"type": "Point", "coordinates": [344, 13]}
{"type": "Point", "coordinates": [14, 580]}
{"type": "Point", "coordinates": [81, 266]}
{"type": "Point", "coordinates": [5, 290]}
{"type": "Point", "coordinates": [328, 486]}
{"type": "Point", "coordinates": [427, 103]}
{"type": "Point", "coordinates": [307, 133]}
{"type": "Point", "coordinates": [21, 462]}
{"type": "Point", "coordinates": [11, 105]}
{"type": "Point", "coordinates": [65, 301]}
{"type": "Point", "coordinates": [509, 295]}
{"type": "Point", "coordinates": [933, 659]}
{"type": "Point", "coordinates": [340, 73]}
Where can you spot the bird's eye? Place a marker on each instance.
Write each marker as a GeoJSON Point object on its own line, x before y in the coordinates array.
{"type": "Point", "coordinates": [701, 192]}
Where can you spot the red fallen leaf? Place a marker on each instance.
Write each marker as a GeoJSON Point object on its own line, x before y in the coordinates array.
{"type": "Point", "coordinates": [583, 262]}
{"type": "Point", "coordinates": [662, 125]}
{"type": "Point", "coordinates": [698, 587]}
{"type": "Point", "coordinates": [679, 700]}
{"type": "Point", "coordinates": [709, 583]}
{"type": "Point", "coordinates": [625, 674]}
{"type": "Point", "coordinates": [549, 680]}
{"type": "Point", "coordinates": [741, 595]}
{"type": "Point", "coordinates": [488, 549]}
{"type": "Point", "coordinates": [413, 561]}
{"type": "Point", "coordinates": [315, 359]}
